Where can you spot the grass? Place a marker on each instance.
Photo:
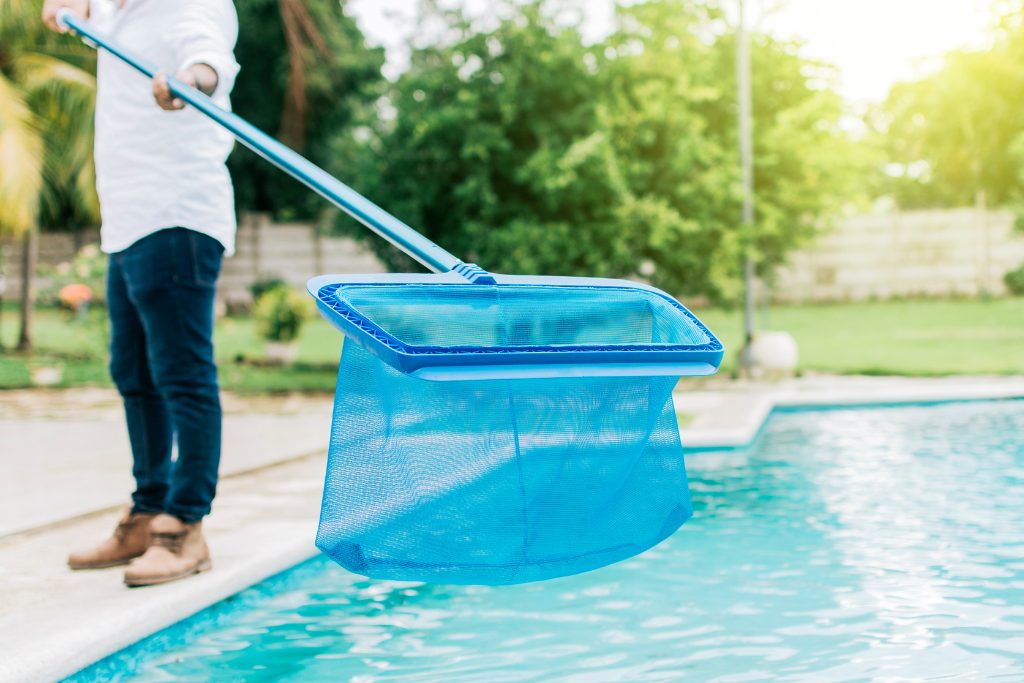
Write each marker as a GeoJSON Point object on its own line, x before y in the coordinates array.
{"type": "Point", "coordinates": [80, 349]}
{"type": "Point", "coordinates": [921, 338]}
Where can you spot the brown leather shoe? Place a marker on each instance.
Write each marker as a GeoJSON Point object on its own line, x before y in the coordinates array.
{"type": "Point", "coordinates": [130, 539]}
{"type": "Point", "coordinates": [177, 550]}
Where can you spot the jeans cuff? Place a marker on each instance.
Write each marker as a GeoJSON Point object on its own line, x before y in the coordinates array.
{"type": "Point", "coordinates": [186, 516]}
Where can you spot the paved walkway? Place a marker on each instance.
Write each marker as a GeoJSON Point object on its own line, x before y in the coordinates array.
{"type": "Point", "coordinates": [64, 468]}
{"type": "Point", "coordinates": [66, 453]}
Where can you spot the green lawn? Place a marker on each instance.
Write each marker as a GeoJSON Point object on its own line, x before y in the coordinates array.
{"type": "Point", "coordinates": [896, 338]}
{"type": "Point", "coordinates": [80, 349]}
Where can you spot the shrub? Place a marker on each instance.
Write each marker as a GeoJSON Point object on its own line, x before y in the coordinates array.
{"type": "Point", "coordinates": [1015, 281]}
{"type": "Point", "coordinates": [280, 312]}
{"type": "Point", "coordinates": [87, 269]}
{"type": "Point", "coordinates": [261, 287]}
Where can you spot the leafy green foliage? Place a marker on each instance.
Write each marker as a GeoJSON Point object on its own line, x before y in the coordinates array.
{"type": "Point", "coordinates": [279, 313]}
{"type": "Point", "coordinates": [47, 96]}
{"type": "Point", "coordinates": [261, 287]}
{"type": "Point", "coordinates": [528, 151]}
{"type": "Point", "coordinates": [1015, 281]}
{"type": "Point", "coordinates": [677, 138]}
{"type": "Point", "coordinates": [306, 106]}
{"type": "Point", "coordinates": [957, 136]}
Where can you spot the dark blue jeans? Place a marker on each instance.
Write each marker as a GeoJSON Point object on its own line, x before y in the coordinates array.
{"type": "Point", "coordinates": [160, 294]}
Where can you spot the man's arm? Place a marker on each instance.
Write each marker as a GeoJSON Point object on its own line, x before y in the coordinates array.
{"type": "Point", "coordinates": [202, 36]}
{"type": "Point", "coordinates": [51, 7]}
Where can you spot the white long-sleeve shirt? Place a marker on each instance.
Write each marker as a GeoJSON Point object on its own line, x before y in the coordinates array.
{"type": "Point", "coordinates": [159, 169]}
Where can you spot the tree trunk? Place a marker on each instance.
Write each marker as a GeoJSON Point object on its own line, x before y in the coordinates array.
{"type": "Point", "coordinates": [29, 258]}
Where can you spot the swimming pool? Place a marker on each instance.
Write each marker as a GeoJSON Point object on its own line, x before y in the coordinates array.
{"type": "Point", "coordinates": [845, 544]}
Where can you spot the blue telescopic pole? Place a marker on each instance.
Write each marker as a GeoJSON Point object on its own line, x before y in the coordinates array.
{"type": "Point", "coordinates": [320, 181]}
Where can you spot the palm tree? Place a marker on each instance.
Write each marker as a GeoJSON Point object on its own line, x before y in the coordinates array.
{"type": "Point", "coordinates": [302, 40]}
{"type": "Point", "coordinates": [47, 95]}
{"type": "Point", "coordinates": [306, 75]}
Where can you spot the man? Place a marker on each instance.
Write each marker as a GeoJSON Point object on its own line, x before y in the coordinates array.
{"type": "Point", "coordinates": [168, 219]}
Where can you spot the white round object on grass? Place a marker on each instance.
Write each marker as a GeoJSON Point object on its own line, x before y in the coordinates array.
{"type": "Point", "coordinates": [774, 354]}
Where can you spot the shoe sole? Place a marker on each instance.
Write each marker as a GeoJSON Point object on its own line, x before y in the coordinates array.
{"type": "Point", "coordinates": [104, 565]}
{"type": "Point", "coordinates": [203, 566]}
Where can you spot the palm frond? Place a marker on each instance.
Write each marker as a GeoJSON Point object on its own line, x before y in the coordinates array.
{"type": "Point", "coordinates": [63, 97]}
{"type": "Point", "coordinates": [21, 147]}
{"type": "Point", "coordinates": [36, 70]}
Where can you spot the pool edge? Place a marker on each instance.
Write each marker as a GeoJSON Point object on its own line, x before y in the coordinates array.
{"type": "Point", "coordinates": [265, 524]}
{"type": "Point", "coordinates": [872, 393]}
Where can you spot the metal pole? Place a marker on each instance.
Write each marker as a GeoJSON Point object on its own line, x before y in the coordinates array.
{"type": "Point", "coordinates": [747, 166]}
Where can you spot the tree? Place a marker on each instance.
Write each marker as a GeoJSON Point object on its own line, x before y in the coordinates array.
{"type": "Point", "coordinates": [495, 151]}
{"type": "Point", "coordinates": [529, 151]}
{"type": "Point", "coordinates": [955, 137]}
{"type": "Point", "coordinates": [673, 105]}
{"type": "Point", "coordinates": [306, 72]}
{"type": "Point", "coordinates": [953, 133]}
{"type": "Point", "coordinates": [47, 95]}
{"type": "Point", "coordinates": [806, 165]}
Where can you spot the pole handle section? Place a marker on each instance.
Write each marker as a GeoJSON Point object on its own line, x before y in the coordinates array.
{"type": "Point", "coordinates": [320, 181]}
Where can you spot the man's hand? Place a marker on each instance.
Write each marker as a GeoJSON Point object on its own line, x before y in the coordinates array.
{"type": "Point", "coordinates": [51, 7]}
{"type": "Point", "coordinates": [200, 76]}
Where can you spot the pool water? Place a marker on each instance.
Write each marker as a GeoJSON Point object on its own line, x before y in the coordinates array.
{"type": "Point", "coordinates": [845, 544]}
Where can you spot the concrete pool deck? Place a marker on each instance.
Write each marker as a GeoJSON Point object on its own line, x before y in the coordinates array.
{"type": "Point", "coordinates": [49, 475]}
{"type": "Point", "coordinates": [63, 471]}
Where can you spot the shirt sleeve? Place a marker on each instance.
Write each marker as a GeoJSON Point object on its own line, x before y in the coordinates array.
{"type": "Point", "coordinates": [204, 32]}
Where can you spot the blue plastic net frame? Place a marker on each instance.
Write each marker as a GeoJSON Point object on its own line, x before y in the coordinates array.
{"type": "Point", "coordinates": [442, 362]}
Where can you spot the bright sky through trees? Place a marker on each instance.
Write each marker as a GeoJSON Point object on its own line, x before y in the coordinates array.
{"type": "Point", "coordinates": [878, 42]}
{"type": "Point", "coordinates": [873, 42]}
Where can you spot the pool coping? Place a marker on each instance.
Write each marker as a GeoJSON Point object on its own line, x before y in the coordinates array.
{"type": "Point", "coordinates": [50, 640]}
{"type": "Point", "coordinates": [63, 642]}
{"type": "Point", "coordinates": [859, 392]}
{"type": "Point", "coordinates": [168, 612]}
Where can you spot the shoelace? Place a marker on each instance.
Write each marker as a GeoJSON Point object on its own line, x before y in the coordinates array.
{"type": "Point", "coordinates": [170, 540]}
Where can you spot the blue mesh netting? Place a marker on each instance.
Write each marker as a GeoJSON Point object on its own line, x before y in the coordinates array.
{"type": "Point", "coordinates": [502, 481]}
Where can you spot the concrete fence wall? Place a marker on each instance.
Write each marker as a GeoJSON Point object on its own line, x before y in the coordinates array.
{"type": "Point", "coordinates": [292, 252]}
{"type": "Point", "coordinates": [960, 252]}
{"type": "Point", "coordinates": [955, 252]}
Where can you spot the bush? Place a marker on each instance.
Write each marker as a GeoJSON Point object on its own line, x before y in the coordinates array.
{"type": "Point", "coordinates": [280, 312]}
{"type": "Point", "coordinates": [1015, 281]}
{"type": "Point", "coordinates": [88, 270]}
{"type": "Point", "coordinates": [261, 287]}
